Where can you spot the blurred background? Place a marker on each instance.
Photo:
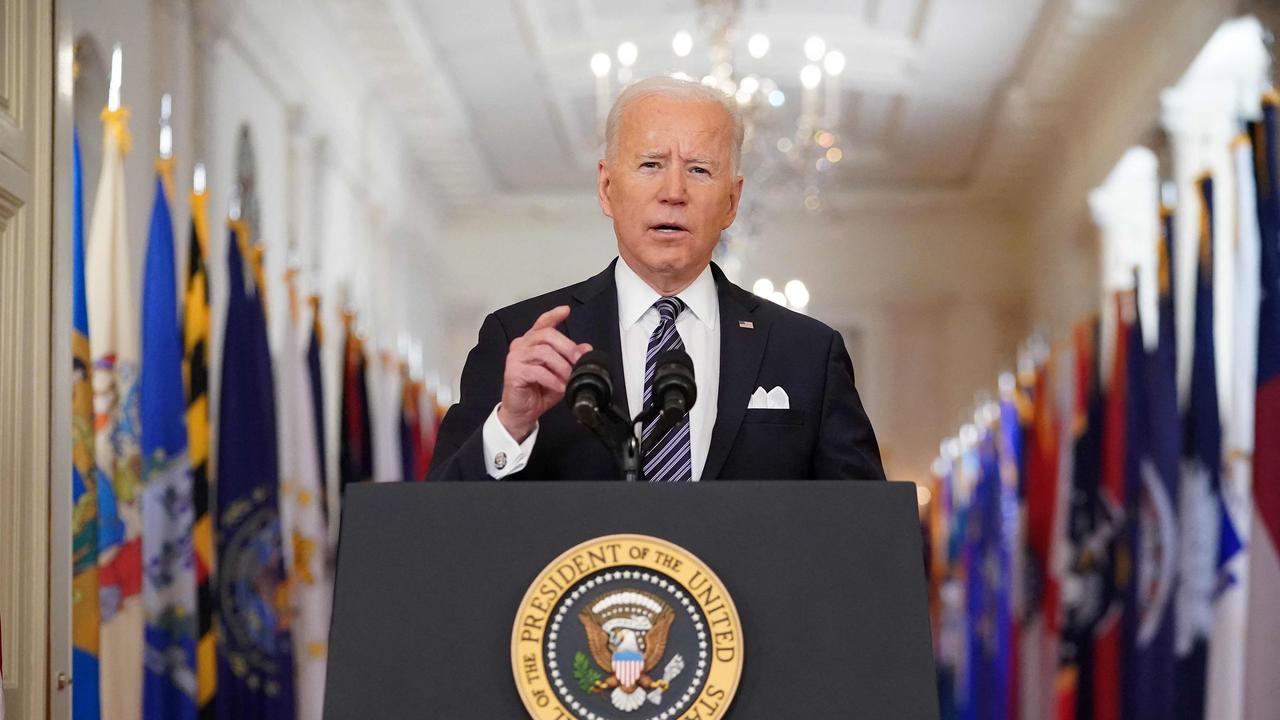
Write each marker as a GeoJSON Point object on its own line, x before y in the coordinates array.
{"type": "Point", "coordinates": [982, 196]}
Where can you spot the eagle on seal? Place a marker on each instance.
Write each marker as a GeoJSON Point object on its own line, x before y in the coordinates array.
{"type": "Point", "coordinates": [627, 635]}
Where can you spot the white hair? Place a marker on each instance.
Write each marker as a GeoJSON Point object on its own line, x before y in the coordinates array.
{"type": "Point", "coordinates": [670, 87]}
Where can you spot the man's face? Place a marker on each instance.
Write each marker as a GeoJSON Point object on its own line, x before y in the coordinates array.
{"type": "Point", "coordinates": [670, 188]}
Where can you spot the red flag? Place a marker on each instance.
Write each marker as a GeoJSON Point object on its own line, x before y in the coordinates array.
{"type": "Point", "coordinates": [1107, 639]}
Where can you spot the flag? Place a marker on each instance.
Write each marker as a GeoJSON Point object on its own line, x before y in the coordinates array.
{"type": "Point", "coordinates": [195, 330]}
{"type": "Point", "coordinates": [255, 658]}
{"type": "Point", "coordinates": [429, 418]}
{"type": "Point", "coordinates": [1084, 534]}
{"type": "Point", "coordinates": [355, 449]}
{"type": "Point", "coordinates": [1262, 652]}
{"type": "Point", "coordinates": [169, 583]}
{"type": "Point", "coordinates": [1199, 510]}
{"type": "Point", "coordinates": [315, 342]}
{"type": "Point", "coordinates": [1037, 652]}
{"type": "Point", "coordinates": [1009, 446]}
{"type": "Point", "coordinates": [306, 538]}
{"type": "Point", "coordinates": [411, 452]}
{"type": "Point", "coordinates": [85, 625]}
{"type": "Point", "coordinates": [948, 618]}
{"type": "Point", "coordinates": [1151, 500]}
{"type": "Point", "coordinates": [1108, 633]}
{"type": "Point", "coordinates": [1225, 692]}
{"type": "Point", "coordinates": [113, 344]}
{"type": "Point", "coordinates": [989, 574]}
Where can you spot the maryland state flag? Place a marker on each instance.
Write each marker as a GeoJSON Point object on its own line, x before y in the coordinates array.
{"type": "Point", "coordinates": [169, 584]}
{"type": "Point", "coordinates": [113, 342]}
{"type": "Point", "coordinates": [1151, 494]}
{"type": "Point", "coordinates": [85, 624]}
{"type": "Point", "coordinates": [1262, 652]}
{"type": "Point", "coordinates": [195, 330]}
{"type": "Point", "coordinates": [255, 654]}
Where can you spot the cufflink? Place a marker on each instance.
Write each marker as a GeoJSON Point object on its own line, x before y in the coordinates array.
{"type": "Point", "coordinates": [500, 460]}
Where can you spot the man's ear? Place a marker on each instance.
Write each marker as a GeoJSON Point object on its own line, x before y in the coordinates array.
{"type": "Point", "coordinates": [734, 196]}
{"type": "Point", "coordinates": [602, 188]}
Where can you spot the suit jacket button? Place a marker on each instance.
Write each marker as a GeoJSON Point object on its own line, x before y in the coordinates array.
{"type": "Point", "coordinates": [500, 460]}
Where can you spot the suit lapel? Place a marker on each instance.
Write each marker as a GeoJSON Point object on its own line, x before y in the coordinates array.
{"type": "Point", "coordinates": [741, 351]}
{"type": "Point", "coordinates": [594, 320]}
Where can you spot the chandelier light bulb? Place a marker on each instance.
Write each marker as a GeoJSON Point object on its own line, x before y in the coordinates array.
{"type": "Point", "coordinates": [777, 98]}
{"type": "Point", "coordinates": [758, 45]}
{"type": "Point", "coordinates": [814, 48]}
{"type": "Point", "coordinates": [763, 287]}
{"type": "Point", "coordinates": [682, 44]}
{"type": "Point", "coordinates": [779, 298]}
{"type": "Point", "coordinates": [834, 62]}
{"type": "Point", "coordinates": [627, 54]}
{"type": "Point", "coordinates": [749, 84]}
{"type": "Point", "coordinates": [600, 64]}
{"type": "Point", "coordinates": [797, 293]}
{"type": "Point", "coordinates": [810, 76]}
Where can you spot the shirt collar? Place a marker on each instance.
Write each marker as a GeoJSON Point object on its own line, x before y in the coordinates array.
{"type": "Point", "coordinates": [635, 297]}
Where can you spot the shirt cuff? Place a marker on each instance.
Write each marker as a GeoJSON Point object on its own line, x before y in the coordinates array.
{"type": "Point", "coordinates": [502, 454]}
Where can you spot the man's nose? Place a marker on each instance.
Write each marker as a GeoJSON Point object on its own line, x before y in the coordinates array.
{"type": "Point", "coordinates": [673, 186]}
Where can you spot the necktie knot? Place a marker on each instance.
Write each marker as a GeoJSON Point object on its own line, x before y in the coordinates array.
{"type": "Point", "coordinates": [669, 308]}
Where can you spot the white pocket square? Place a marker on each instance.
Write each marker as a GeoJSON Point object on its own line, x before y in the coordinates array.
{"type": "Point", "coordinates": [775, 399]}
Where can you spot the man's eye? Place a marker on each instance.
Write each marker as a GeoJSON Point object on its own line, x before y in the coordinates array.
{"type": "Point", "coordinates": [702, 170]}
{"type": "Point", "coordinates": [650, 164]}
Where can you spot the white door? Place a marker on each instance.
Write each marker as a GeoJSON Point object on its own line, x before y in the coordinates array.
{"type": "Point", "coordinates": [26, 348]}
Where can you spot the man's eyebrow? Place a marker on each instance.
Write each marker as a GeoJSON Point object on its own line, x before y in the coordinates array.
{"type": "Point", "coordinates": [663, 155]}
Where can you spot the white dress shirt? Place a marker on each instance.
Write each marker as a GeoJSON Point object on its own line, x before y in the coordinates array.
{"type": "Point", "coordinates": [699, 328]}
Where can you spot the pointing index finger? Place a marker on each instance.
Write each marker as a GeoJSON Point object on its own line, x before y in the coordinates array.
{"type": "Point", "coordinates": [551, 318]}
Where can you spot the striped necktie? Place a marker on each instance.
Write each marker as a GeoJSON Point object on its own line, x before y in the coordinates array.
{"type": "Point", "coordinates": [670, 459]}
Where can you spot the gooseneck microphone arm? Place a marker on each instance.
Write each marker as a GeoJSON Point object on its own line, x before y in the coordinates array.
{"type": "Point", "coordinates": [589, 395]}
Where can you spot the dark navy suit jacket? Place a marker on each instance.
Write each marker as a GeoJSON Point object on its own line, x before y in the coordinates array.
{"type": "Point", "coordinates": [824, 435]}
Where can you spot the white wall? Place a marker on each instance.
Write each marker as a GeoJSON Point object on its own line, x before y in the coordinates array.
{"type": "Point", "coordinates": [930, 299]}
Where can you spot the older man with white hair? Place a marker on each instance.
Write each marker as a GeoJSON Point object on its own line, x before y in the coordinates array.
{"type": "Point", "coordinates": [776, 395]}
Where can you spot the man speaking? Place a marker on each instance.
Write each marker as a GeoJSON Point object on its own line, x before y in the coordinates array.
{"type": "Point", "coordinates": [776, 395]}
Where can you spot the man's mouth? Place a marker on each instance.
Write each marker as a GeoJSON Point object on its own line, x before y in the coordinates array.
{"type": "Point", "coordinates": [669, 228]}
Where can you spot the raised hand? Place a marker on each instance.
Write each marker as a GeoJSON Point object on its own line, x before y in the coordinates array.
{"type": "Point", "coordinates": [537, 370]}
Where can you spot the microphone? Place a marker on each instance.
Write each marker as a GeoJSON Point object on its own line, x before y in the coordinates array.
{"type": "Point", "coordinates": [589, 390]}
{"type": "Point", "coordinates": [674, 391]}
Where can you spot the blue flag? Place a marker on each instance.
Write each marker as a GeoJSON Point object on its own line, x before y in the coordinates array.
{"type": "Point", "coordinates": [1086, 527]}
{"type": "Point", "coordinates": [1201, 490]}
{"type": "Point", "coordinates": [989, 584]}
{"type": "Point", "coordinates": [255, 657]}
{"type": "Point", "coordinates": [85, 616]}
{"type": "Point", "coordinates": [1151, 501]}
{"type": "Point", "coordinates": [316, 380]}
{"type": "Point", "coordinates": [169, 581]}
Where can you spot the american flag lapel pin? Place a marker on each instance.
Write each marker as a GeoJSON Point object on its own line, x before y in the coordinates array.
{"type": "Point", "coordinates": [746, 324]}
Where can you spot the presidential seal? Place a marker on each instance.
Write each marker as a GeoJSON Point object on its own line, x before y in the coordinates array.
{"type": "Point", "coordinates": [627, 627]}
